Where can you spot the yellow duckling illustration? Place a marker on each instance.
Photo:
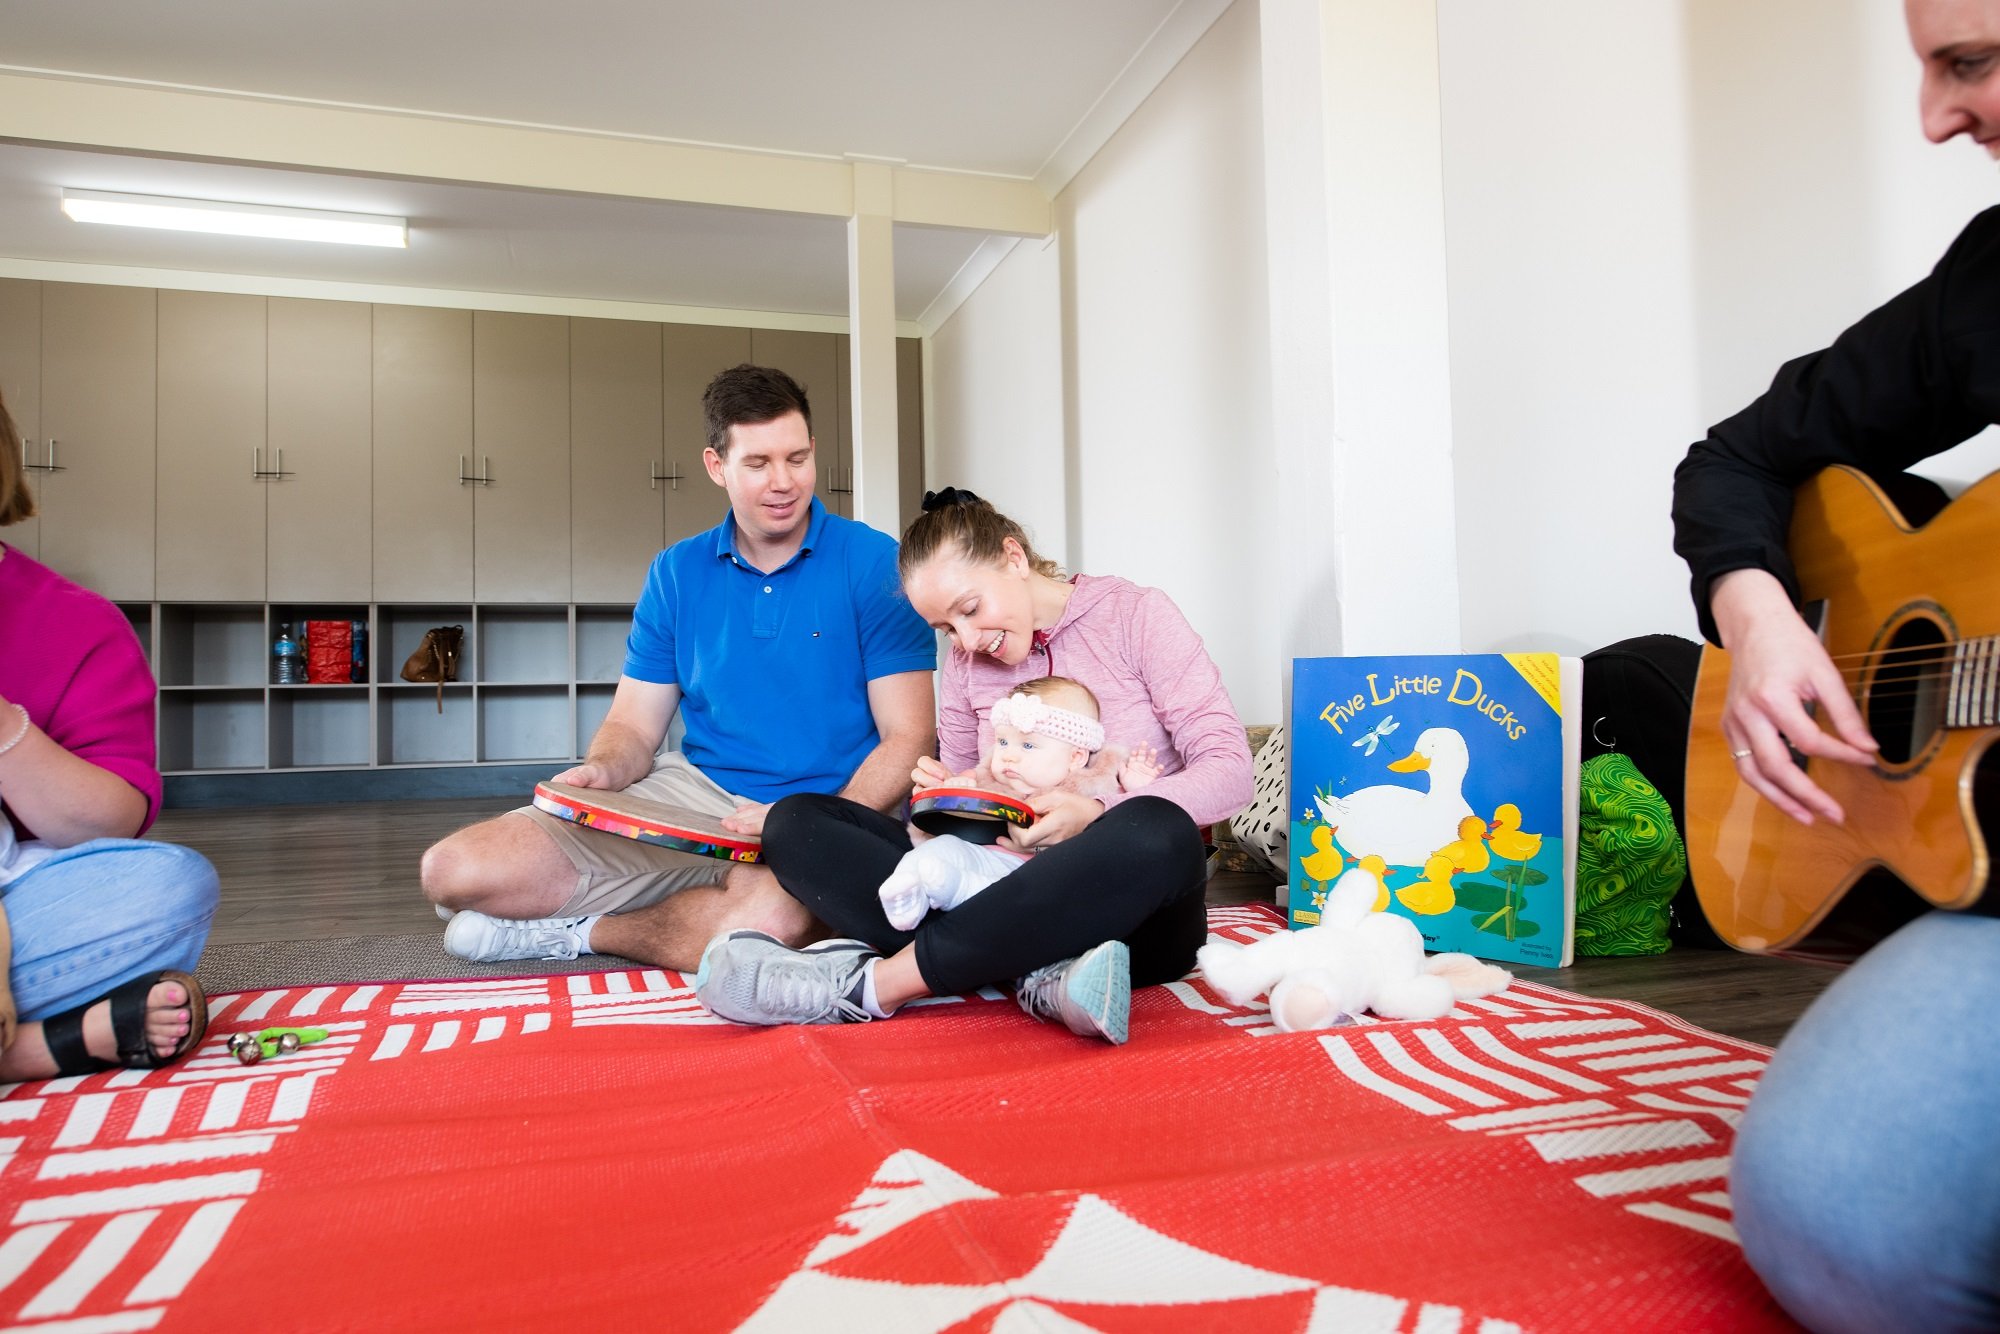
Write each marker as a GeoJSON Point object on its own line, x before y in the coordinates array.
{"type": "Point", "coordinates": [1433, 894]}
{"type": "Point", "coordinates": [1469, 852]}
{"type": "Point", "coordinates": [1404, 825]}
{"type": "Point", "coordinates": [1380, 870]}
{"type": "Point", "coordinates": [1507, 839]}
{"type": "Point", "coordinates": [1324, 864]}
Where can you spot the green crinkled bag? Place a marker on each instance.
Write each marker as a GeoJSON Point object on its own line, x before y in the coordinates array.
{"type": "Point", "coordinates": [1629, 860]}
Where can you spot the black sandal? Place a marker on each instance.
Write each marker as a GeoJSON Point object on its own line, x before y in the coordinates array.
{"type": "Point", "coordinates": [64, 1032]}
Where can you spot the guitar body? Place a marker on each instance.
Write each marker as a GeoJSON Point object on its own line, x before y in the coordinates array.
{"type": "Point", "coordinates": [1902, 609]}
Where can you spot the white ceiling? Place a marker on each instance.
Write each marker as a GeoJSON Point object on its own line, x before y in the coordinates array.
{"type": "Point", "coordinates": [999, 88]}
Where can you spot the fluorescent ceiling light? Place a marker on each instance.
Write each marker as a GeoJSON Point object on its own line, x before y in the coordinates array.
{"type": "Point", "coordinates": [207, 215]}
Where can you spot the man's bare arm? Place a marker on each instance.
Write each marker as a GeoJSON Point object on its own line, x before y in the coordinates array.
{"type": "Point", "coordinates": [905, 710]}
{"type": "Point", "coordinates": [622, 751]}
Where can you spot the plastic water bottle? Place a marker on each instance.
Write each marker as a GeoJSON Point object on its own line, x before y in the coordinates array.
{"type": "Point", "coordinates": [286, 667]}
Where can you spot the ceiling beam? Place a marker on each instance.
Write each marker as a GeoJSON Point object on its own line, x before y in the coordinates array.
{"type": "Point", "coordinates": [370, 142]}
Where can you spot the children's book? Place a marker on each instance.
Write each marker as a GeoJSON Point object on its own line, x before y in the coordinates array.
{"type": "Point", "coordinates": [1453, 778]}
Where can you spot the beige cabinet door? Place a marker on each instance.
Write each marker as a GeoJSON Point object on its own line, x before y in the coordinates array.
{"type": "Point", "coordinates": [99, 365]}
{"type": "Point", "coordinates": [421, 362]}
{"type": "Point", "coordinates": [318, 428]}
{"type": "Point", "coordinates": [520, 433]}
{"type": "Point", "coordinates": [211, 447]}
{"type": "Point", "coordinates": [616, 523]}
{"type": "Point", "coordinates": [813, 359]}
{"type": "Point", "coordinates": [21, 387]}
{"type": "Point", "coordinates": [693, 354]}
{"type": "Point", "coordinates": [836, 483]}
{"type": "Point", "coordinates": [909, 429]}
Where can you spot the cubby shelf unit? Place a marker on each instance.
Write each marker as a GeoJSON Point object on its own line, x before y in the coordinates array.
{"type": "Point", "coordinates": [534, 682]}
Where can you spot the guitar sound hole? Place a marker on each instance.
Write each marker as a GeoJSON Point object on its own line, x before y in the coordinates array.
{"type": "Point", "coordinates": [1905, 704]}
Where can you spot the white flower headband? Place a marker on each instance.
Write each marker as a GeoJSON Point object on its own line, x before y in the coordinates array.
{"type": "Point", "coordinates": [1028, 713]}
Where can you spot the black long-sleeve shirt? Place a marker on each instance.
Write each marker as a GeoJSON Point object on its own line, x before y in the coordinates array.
{"type": "Point", "coordinates": [1913, 378]}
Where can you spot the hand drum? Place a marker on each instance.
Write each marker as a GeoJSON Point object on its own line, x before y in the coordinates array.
{"type": "Point", "coordinates": [653, 822]}
{"type": "Point", "coordinates": [977, 815]}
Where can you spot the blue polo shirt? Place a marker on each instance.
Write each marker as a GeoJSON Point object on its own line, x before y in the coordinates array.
{"type": "Point", "coordinates": [774, 668]}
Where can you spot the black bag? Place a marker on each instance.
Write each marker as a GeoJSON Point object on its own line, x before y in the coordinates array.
{"type": "Point", "coordinates": [1638, 698]}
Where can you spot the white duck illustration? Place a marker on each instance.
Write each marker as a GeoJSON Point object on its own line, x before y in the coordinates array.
{"type": "Point", "coordinates": [1401, 825]}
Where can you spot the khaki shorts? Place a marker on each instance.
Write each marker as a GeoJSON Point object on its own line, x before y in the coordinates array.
{"type": "Point", "coordinates": [615, 874]}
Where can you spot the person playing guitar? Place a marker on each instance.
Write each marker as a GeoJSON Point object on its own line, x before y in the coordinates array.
{"type": "Point", "coordinates": [1864, 1182]}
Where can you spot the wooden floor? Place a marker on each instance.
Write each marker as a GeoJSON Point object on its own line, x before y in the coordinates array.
{"type": "Point", "coordinates": [350, 869]}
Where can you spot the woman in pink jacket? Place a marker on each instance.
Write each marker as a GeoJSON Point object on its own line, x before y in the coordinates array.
{"type": "Point", "coordinates": [1114, 897]}
{"type": "Point", "coordinates": [106, 927]}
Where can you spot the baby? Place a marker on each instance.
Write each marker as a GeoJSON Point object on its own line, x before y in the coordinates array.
{"type": "Point", "coordinates": [1046, 737]}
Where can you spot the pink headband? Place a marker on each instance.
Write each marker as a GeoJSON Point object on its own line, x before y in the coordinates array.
{"type": "Point", "coordinates": [1028, 713]}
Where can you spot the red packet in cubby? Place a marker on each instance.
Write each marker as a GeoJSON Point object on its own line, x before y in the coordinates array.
{"type": "Point", "coordinates": [329, 652]}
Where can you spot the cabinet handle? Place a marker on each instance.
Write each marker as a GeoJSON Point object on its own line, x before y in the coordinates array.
{"type": "Point", "coordinates": [464, 477]}
{"type": "Point", "coordinates": [260, 473]}
{"type": "Point", "coordinates": [50, 466]}
{"type": "Point", "coordinates": [847, 490]}
{"type": "Point", "coordinates": [655, 476]}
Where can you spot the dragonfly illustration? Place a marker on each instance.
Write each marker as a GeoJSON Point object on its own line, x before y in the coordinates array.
{"type": "Point", "coordinates": [1373, 737]}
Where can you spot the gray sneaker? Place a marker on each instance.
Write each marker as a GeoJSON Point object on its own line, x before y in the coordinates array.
{"type": "Point", "coordinates": [482, 939]}
{"type": "Point", "coordinates": [748, 977]}
{"type": "Point", "coordinates": [1090, 995]}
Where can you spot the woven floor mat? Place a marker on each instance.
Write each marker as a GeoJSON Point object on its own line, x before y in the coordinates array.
{"type": "Point", "coordinates": [595, 1151]}
{"type": "Point", "coordinates": [294, 963]}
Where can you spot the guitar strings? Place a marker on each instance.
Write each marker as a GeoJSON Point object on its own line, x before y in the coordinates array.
{"type": "Point", "coordinates": [1976, 649]}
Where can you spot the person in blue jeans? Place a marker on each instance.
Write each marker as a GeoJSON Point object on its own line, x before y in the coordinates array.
{"type": "Point", "coordinates": [105, 928]}
{"type": "Point", "coordinates": [1865, 1182]}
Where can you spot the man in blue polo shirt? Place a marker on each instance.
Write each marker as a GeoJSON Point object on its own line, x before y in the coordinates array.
{"type": "Point", "coordinates": [783, 638]}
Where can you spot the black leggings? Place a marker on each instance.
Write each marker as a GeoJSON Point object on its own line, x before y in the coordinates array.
{"type": "Point", "coordinates": [1135, 875]}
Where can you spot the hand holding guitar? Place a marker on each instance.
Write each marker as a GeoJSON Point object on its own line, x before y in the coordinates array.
{"type": "Point", "coordinates": [1778, 668]}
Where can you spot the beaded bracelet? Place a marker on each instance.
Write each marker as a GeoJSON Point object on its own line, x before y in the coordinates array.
{"type": "Point", "coordinates": [22, 735]}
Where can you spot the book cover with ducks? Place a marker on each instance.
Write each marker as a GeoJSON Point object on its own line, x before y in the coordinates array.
{"type": "Point", "coordinates": [1453, 778]}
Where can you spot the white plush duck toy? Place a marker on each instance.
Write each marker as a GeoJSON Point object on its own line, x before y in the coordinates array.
{"type": "Point", "coordinates": [1401, 825]}
{"type": "Point", "coordinates": [1354, 960]}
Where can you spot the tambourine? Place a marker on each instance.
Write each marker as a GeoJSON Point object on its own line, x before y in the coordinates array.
{"type": "Point", "coordinates": [975, 814]}
{"type": "Point", "coordinates": [653, 822]}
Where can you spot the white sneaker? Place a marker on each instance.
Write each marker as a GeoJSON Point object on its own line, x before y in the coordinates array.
{"type": "Point", "coordinates": [445, 914]}
{"type": "Point", "coordinates": [748, 977]}
{"type": "Point", "coordinates": [481, 939]}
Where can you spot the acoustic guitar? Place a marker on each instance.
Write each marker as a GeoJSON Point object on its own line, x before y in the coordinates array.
{"type": "Point", "coordinates": [1911, 617]}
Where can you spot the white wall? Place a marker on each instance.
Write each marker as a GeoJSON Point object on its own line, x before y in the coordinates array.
{"type": "Point", "coordinates": [1567, 204]}
{"type": "Point", "coordinates": [1649, 207]}
{"type": "Point", "coordinates": [1162, 412]}
{"type": "Point", "coordinates": [994, 424]}
{"type": "Point", "coordinates": [1167, 372]}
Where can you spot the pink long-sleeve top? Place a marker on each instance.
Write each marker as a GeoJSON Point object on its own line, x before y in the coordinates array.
{"type": "Point", "coordinates": [70, 659]}
{"type": "Point", "coordinates": [1155, 685]}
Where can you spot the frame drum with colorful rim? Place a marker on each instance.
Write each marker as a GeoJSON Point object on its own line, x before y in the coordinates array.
{"type": "Point", "coordinates": [975, 814]}
{"type": "Point", "coordinates": [652, 822]}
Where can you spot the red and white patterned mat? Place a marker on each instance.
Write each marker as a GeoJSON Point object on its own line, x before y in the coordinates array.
{"type": "Point", "coordinates": [596, 1152]}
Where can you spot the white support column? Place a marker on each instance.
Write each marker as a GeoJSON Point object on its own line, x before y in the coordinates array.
{"type": "Point", "coordinates": [871, 346]}
{"type": "Point", "coordinates": [1360, 361]}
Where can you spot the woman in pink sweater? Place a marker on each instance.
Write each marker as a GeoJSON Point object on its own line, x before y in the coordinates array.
{"type": "Point", "coordinates": [1115, 896]}
{"type": "Point", "coordinates": [105, 928]}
